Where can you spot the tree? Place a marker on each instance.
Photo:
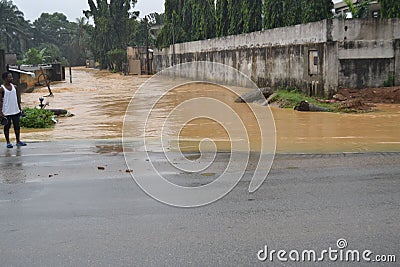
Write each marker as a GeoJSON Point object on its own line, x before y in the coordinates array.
{"type": "Point", "coordinates": [143, 29]}
{"type": "Point", "coordinates": [252, 20]}
{"type": "Point", "coordinates": [81, 40]}
{"type": "Point", "coordinates": [222, 22]}
{"type": "Point", "coordinates": [316, 10]}
{"type": "Point", "coordinates": [390, 8]}
{"type": "Point", "coordinates": [187, 20]}
{"type": "Point", "coordinates": [112, 26]}
{"type": "Point", "coordinates": [172, 32]}
{"type": "Point", "coordinates": [51, 53]}
{"type": "Point", "coordinates": [52, 28]}
{"type": "Point", "coordinates": [360, 10]}
{"type": "Point", "coordinates": [14, 29]}
{"type": "Point", "coordinates": [274, 14]}
{"type": "Point", "coordinates": [203, 19]}
{"type": "Point", "coordinates": [235, 17]}
{"type": "Point", "coordinates": [33, 56]}
{"type": "Point", "coordinates": [293, 12]}
{"type": "Point", "coordinates": [54, 32]}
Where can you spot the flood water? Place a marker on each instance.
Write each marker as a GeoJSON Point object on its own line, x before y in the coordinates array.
{"type": "Point", "coordinates": [99, 101]}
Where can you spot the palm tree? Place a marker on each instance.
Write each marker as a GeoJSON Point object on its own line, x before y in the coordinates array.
{"type": "Point", "coordinates": [14, 29]}
{"type": "Point", "coordinates": [360, 10]}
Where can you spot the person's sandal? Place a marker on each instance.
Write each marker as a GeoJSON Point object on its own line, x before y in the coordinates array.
{"type": "Point", "coordinates": [10, 146]}
{"type": "Point", "coordinates": [21, 144]}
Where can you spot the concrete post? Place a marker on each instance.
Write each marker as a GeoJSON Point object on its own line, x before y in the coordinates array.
{"type": "Point", "coordinates": [396, 62]}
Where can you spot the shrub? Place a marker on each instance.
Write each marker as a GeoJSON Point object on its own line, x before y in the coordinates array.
{"type": "Point", "coordinates": [390, 81]}
{"type": "Point", "coordinates": [116, 58]}
{"type": "Point", "coordinates": [37, 118]}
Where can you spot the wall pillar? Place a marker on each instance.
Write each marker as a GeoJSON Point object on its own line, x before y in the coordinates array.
{"type": "Point", "coordinates": [331, 69]}
{"type": "Point", "coordinates": [396, 47]}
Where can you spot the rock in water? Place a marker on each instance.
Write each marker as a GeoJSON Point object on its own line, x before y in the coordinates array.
{"type": "Point", "coordinates": [305, 106]}
{"type": "Point", "coordinates": [255, 96]}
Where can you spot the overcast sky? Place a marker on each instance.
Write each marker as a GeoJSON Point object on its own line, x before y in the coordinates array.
{"type": "Point", "coordinates": [73, 8]}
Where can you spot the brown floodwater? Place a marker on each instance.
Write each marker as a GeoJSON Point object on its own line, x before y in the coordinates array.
{"type": "Point", "coordinates": [99, 100]}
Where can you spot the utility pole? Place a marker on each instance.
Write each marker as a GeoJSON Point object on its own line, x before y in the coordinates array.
{"type": "Point", "coordinates": [147, 45]}
{"type": "Point", "coordinates": [173, 42]}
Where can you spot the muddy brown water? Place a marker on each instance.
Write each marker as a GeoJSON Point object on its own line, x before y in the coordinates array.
{"type": "Point", "coordinates": [99, 100]}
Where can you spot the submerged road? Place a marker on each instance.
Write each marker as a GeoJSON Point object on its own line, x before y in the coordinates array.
{"type": "Point", "coordinates": [58, 209]}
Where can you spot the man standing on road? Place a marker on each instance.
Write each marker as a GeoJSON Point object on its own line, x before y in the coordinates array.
{"type": "Point", "coordinates": [10, 108]}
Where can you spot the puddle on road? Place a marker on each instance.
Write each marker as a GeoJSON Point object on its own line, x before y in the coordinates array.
{"type": "Point", "coordinates": [99, 101]}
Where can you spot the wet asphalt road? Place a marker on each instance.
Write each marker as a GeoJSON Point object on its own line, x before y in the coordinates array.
{"type": "Point", "coordinates": [58, 209]}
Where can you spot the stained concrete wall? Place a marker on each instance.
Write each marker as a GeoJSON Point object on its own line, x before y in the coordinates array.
{"type": "Point", "coordinates": [365, 29]}
{"type": "Point", "coordinates": [351, 53]}
{"type": "Point", "coordinates": [365, 63]}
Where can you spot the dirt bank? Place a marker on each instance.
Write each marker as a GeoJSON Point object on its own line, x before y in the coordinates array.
{"type": "Point", "coordinates": [387, 95]}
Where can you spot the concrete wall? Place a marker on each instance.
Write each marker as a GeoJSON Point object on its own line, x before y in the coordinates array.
{"type": "Point", "coordinates": [367, 51]}
{"type": "Point", "coordinates": [365, 63]}
{"type": "Point", "coordinates": [11, 59]}
{"type": "Point", "coordinates": [365, 29]}
{"type": "Point", "coordinates": [351, 53]}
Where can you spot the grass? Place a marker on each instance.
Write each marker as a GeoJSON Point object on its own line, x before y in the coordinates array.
{"type": "Point", "coordinates": [289, 98]}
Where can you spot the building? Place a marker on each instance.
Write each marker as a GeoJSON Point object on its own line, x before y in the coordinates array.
{"type": "Point", "coordinates": [341, 9]}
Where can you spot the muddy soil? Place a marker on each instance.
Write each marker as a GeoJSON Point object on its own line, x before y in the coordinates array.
{"type": "Point", "coordinates": [386, 95]}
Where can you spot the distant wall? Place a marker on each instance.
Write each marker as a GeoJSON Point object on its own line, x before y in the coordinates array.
{"type": "Point", "coordinates": [11, 59]}
{"type": "Point", "coordinates": [367, 51]}
{"type": "Point", "coordinates": [317, 57]}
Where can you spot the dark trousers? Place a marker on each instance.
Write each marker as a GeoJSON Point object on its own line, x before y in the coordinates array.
{"type": "Point", "coordinates": [15, 120]}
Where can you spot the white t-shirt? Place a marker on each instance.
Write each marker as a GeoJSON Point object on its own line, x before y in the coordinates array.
{"type": "Point", "coordinates": [10, 101]}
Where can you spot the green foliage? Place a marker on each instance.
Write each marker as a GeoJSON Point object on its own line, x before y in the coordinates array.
{"type": "Point", "coordinates": [187, 20]}
{"type": "Point", "coordinates": [113, 23]}
{"type": "Point", "coordinates": [55, 32]}
{"type": "Point", "coordinates": [390, 81]}
{"type": "Point", "coordinates": [142, 33]}
{"type": "Point", "coordinates": [291, 97]}
{"type": "Point", "coordinates": [34, 57]}
{"type": "Point", "coordinates": [293, 12]}
{"type": "Point", "coordinates": [37, 118]}
{"type": "Point", "coordinates": [244, 16]}
{"type": "Point", "coordinates": [316, 10]}
{"type": "Point", "coordinates": [390, 8]}
{"type": "Point", "coordinates": [222, 21]}
{"type": "Point", "coordinates": [116, 58]}
{"type": "Point", "coordinates": [15, 31]}
{"type": "Point", "coordinates": [252, 20]}
{"type": "Point", "coordinates": [61, 38]}
{"type": "Point", "coordinates": [274, 14]}
{"type": "Point", "coordinates": [235, 17]}
{"type": "Point", "coordinates": [142, 30]}
{"type": "Point", "coordinates": [51, 53]}
{"type": "Point", "coordinates": [360, 10]}
{"type": "Point", "coordinates": [281, 13]}
{"type": "Point", "coordinates": [203, 20]}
